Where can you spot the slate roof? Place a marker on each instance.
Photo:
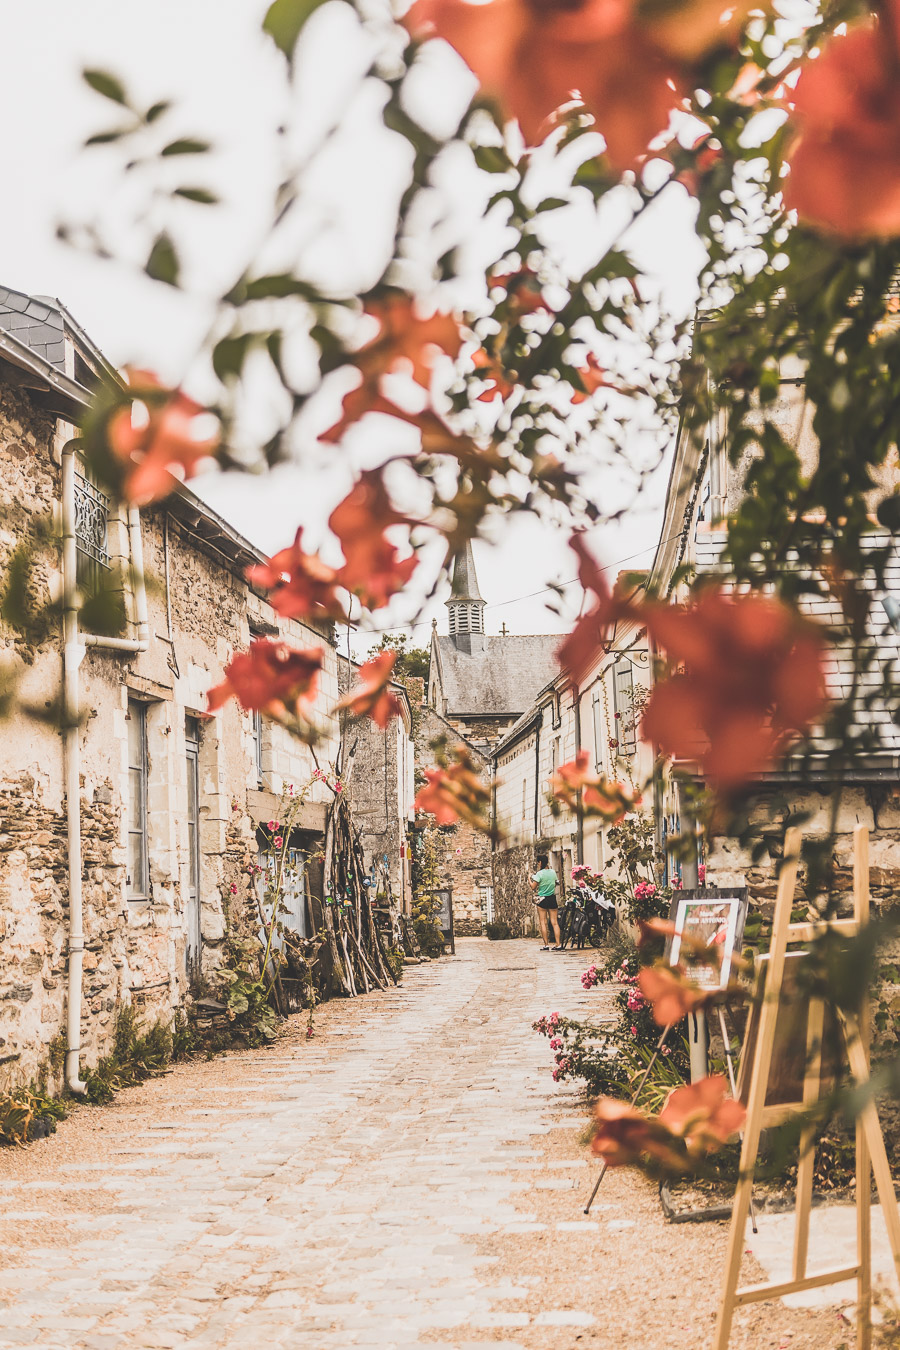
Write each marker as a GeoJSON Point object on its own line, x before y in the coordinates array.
{"type": "Point", "coordinates": [504, 677]}
{"type": "Point", "coordinates": [37, 323]}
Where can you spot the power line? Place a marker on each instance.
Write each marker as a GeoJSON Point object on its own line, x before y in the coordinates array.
{"type": "Point", "coordinates": [546, 590]}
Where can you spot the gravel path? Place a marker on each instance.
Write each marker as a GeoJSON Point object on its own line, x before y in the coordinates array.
{"type": "Point", "coordinates": [410, 1177]}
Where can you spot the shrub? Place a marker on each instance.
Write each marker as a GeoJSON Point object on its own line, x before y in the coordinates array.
{"type": "Point", "coordinates": [429, 933]}
{"type": "Point", "coordinates": [26, 1113]}
{"type": "Point", "coordinates": [499, 931]}
{"type": "Point", "coordinates": [134, 1058]}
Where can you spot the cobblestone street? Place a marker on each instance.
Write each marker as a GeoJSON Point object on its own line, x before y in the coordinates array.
{"type": "Point", "coordinates": [411, 1176]}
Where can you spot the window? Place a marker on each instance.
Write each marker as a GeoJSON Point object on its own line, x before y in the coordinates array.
{"type": "Point", "coordinates": [554, 755]}
{"type": "Point", "coordinates": [486, 898]}
{"type": "Point", "coordinates": [598, 732]}
{"type": "Point", "coordinates": [524, 800]}
{"type": "Point", "coordinates": [192, 753]}
{"type": "Point", "coordinates": [257, 726]}
{"type": "Point", "coordinates": [138, 875]}
{"type": "Point", "coordinates": [623, 694]}
{"type": "Point", "coordinates": [91, 532]}
{"type": "Point", "coordinates": [292, 915]}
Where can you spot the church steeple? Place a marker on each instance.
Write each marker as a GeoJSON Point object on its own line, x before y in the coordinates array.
{"type": "Point", "coordinates": [466, 604]}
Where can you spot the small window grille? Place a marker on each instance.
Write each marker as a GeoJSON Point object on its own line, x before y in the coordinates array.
{"type": "Point", "coordinates": [91, 530]}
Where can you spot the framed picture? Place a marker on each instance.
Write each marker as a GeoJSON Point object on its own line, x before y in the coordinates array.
{"type": "Point", "coordinates": [713, 922]}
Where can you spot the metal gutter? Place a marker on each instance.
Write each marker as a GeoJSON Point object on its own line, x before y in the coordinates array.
{"type": "Point", "coordinates": [26, 359]}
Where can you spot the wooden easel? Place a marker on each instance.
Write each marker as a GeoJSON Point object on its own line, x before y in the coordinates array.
{"type": "Point", "coordinates": [871, 1156]}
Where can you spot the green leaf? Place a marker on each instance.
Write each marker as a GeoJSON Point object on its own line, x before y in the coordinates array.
{"type": "Point", "coordinates": [106, 137]}
{"type": "Point", "coordinates": [279, 286]}
{"type": "Point", "coordinates": [185, 145]}
{"type": "Point", "coordinates": [491, 158]}
{"type": "Point", "coordinates": [162, 264]}
{"type": "Point", "coordinates": [229, 354]}
{"type": "Point", "coordinates": [156, 110]}
{"type": "Point", "coordinates": [195, 194]}
{"type": "Point", "coordinates": [551, 204]}
{"type": "Point", "coordinates": [889, 514]}
{"type": "Point", "coordinates": [107, 85]}
{"type": "Point", "coordinates": [285, 20]}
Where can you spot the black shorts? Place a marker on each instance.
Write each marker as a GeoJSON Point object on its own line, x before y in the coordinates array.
{"type": "Point", "coordinates": [547, 902]}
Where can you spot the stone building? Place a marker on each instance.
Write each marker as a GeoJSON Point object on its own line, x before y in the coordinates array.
{"type": "Point", "coordinates": [463, 853]}
{"type": "Point", "coordinates": [597, 715]}
{"type": "Point", "coordinates": [126, 824]}
{"type": "Point", "coordinates": [482, 683]}
{"type": "Point", "coordinates": [380, 779]}
{"type": "Point", "coordinates": [704, 489]}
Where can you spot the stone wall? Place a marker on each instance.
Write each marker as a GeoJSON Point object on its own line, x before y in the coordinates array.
{"type": "Point", "coordinates": [380, 792]}
{"type": "Point", "coordinates": [876, 805]}
{"type": "Point", "coordinates": [464, 854]}
{"type": "Point", "coordinates": [200, 612]}
{"type": "Point", "coordinates": [513, 897]}
{"type": "Point", "coordinates": [481, 732]}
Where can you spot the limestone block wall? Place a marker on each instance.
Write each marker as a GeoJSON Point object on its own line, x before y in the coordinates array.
{"type": "Point", "coordinates": [876, 805]}
{"type": "Point", "coordinates": [464, 854]}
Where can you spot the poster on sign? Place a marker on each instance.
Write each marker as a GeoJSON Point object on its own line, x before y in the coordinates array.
{"type": "Point", "coordinates": [708, 931]}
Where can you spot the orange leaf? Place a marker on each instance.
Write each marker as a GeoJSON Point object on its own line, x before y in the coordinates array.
{"type": "Point", "coordinates": [371, 697]}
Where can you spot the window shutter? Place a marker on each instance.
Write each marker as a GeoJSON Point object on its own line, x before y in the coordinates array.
{"type": "Point", "coordinates": [623, 694]}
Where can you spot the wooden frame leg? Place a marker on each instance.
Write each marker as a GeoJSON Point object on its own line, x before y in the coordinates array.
{"type": "Point", "coordinates": [861, 913]}
{"type": "Point", "coordinates": [815, 1025]}
{"type": "Point", "coordinates": [759, 1082]}
{"type": "Point", "coordinates": [867, 1122]}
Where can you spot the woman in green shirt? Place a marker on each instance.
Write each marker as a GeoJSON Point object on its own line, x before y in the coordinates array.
{"type": "Point", "coordinates": [543, 883]}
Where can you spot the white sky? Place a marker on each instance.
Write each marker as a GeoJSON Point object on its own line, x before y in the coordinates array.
{"type": "Point", "coordinates": [228, 86]}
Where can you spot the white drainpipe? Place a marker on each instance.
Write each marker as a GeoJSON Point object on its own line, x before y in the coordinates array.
{"type": "Point", "coordinates": [73, 655]}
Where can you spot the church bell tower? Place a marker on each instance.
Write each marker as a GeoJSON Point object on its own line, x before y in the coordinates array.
{"type": "Point", "coordinates": [466, 604]}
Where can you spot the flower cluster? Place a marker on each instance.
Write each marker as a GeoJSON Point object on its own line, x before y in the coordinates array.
{"type": "Point", "coordinates": [590, 977]}
{"type": "Point", "coordinates": [546, 1026]}
{"type": "Point", "coordinates": [635, 1000]}
{"type": "Point", "coordinates": [645, 890]}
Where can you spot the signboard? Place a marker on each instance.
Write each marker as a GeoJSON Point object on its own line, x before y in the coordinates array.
{"type": "Point", "coordinates": [710, 922]}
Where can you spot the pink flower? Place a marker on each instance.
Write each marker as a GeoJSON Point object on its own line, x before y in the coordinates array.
{"type": "Point", "coordinates": [634, 1031]}
{"type": "Point", "coordinates": [701, 874]}
{"type": "Point", "coordinates": [278, 841]}
{"type": "Point", "coordinates": [338, 787]}
{"type": "Point", "coordinates": [273, 825]}
{"type": "Point", "coordinates": [556, 1043]}
{"type": "Point", "coordinates": [233, 889]}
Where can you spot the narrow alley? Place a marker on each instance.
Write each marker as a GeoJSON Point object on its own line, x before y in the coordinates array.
{"type": "Point", "coordinates": [410, 1177]}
